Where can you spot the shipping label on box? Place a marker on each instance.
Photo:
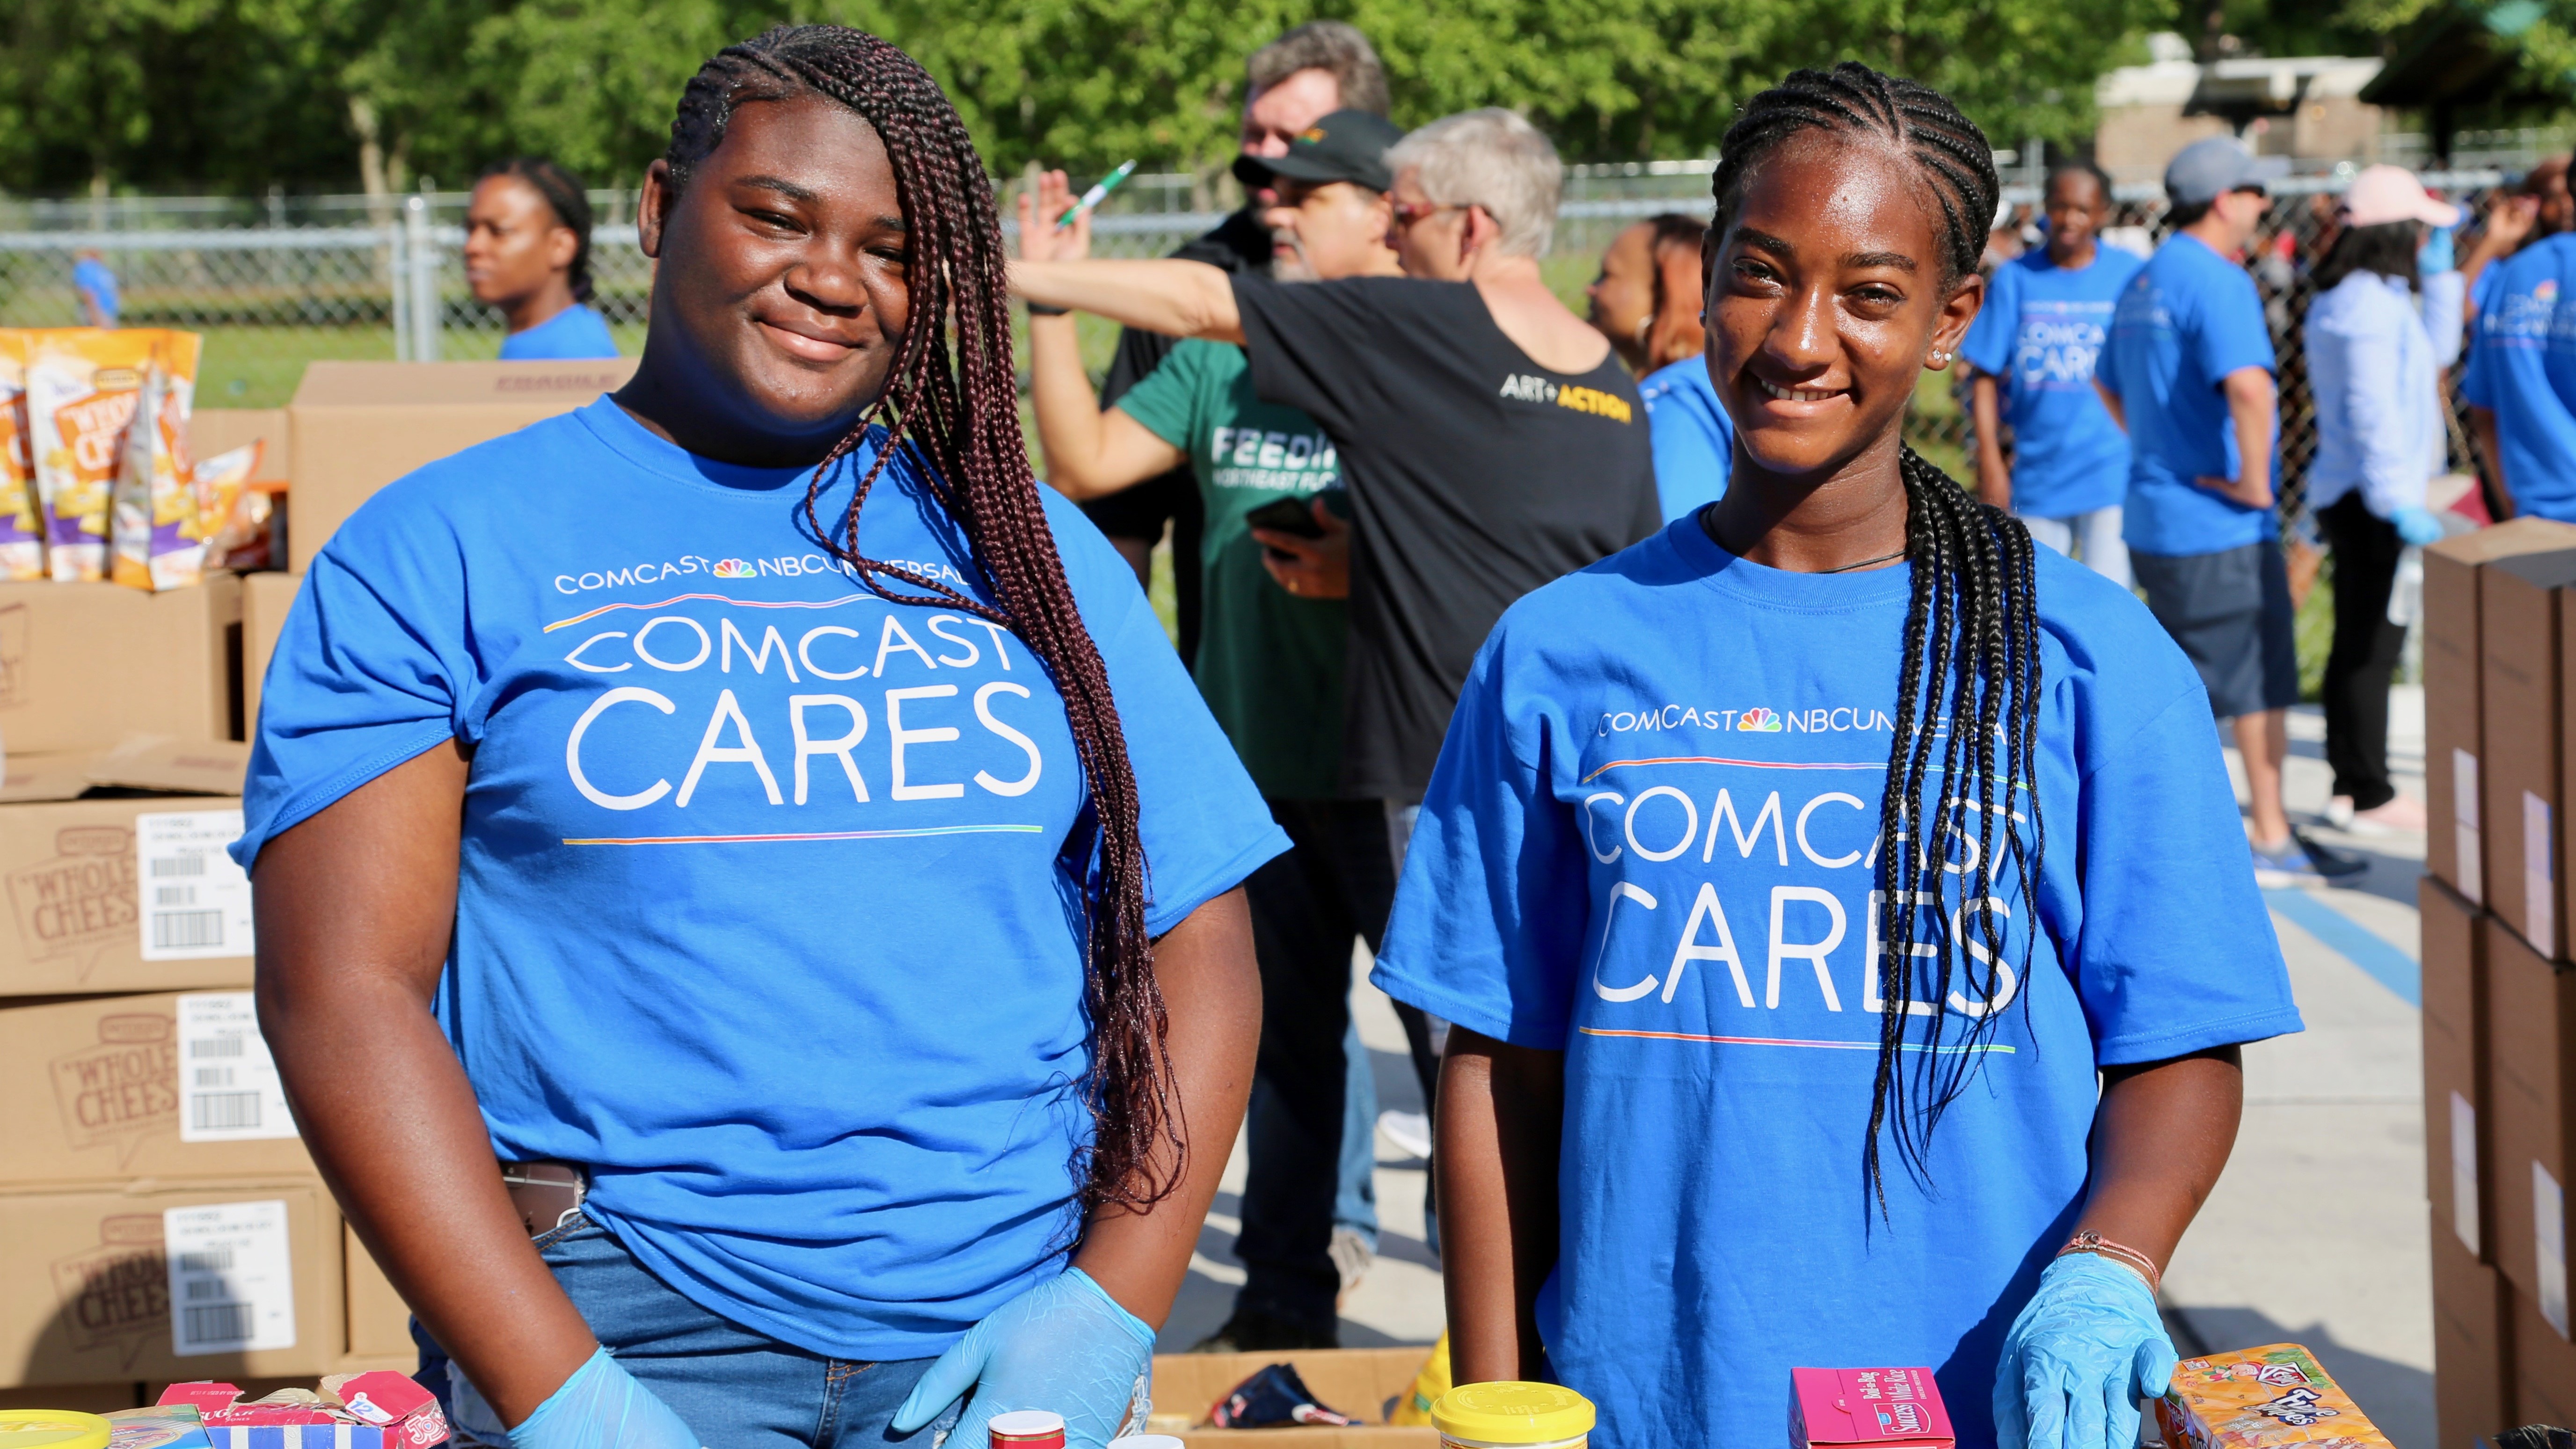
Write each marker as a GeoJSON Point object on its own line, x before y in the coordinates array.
{"type": "Point", "coordinates": [231, 1277]}
{"type": "Point", "coordinates": [2464, 1171]}
{"type": "Point", "coordinates": [199, 901]}
{"type": "Point", "coordinates": [2464, 824]}
{"type": "Point", "coordinates": [230, 1086]}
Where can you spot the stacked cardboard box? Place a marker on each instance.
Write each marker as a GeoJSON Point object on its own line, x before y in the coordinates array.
{"type": "Point", "coordinates": [164, 1219]}
{"type": "Point", "coordinates": [2499, 990]}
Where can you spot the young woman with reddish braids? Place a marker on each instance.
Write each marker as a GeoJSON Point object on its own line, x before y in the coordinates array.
{"type": "Point", "coordinates": [1844, 916]}
{"type": "Point", "coordinates": [750, 800]}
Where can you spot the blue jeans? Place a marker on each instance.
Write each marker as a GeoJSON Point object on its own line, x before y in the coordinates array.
{"type": "Point", "coordinates": [737, 1388]}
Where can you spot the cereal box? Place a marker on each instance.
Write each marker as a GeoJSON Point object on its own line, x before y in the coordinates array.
{"type": "Point", "coordinates": [22, 525]}
{"type": "Point", "coordinates": [157, 530]}
{"type": "Point", "coordinates": [2255, 1398]}
{"type": "Point", "coordinates": [82, 386]}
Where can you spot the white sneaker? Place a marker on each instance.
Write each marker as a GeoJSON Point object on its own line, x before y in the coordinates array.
{"type": "Point", "coordinates": [1352, 1255]}
{"type": "Point", "coordinates": [1408, 1132]}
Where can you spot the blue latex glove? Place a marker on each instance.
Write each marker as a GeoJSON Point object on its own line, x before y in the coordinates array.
{"type": "Point", "coordinates": [602, 1407]}
{"type": "Point", "coordinates": [2417, 526]}
{"type": "Point", "coordinates": [2085, 1349]}
{"type": "Point", "coordinates": [2434, 257]}
{"type": "Point", "coordinates": [1064, 1346]}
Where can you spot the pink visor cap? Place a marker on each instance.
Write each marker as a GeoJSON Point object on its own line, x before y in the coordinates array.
{"type": "Point", "coordinates": [2384, 194]}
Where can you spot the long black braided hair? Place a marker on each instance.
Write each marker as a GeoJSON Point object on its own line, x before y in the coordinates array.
{"type": "Point", "coordinates": [960, 417]}
{"type": "Point", "coordinates": [1968, 694]}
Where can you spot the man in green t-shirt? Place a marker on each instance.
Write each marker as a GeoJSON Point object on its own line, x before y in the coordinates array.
{"type": "Point", "coordinates": [1270, 661]}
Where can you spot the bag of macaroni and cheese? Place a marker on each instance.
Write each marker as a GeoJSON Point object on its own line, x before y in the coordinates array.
{"type": "Point", "coordinates": [156, 530]}
{"type": "Point", "coordinates": [22, 526]}
{"type": "Point", "coordinates": [82, 386]}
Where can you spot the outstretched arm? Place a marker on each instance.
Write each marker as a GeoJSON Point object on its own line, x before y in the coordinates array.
{"type": "Point", "coordinates": [1090, 451]}
{"type": "Point", "coordinates": [1181, 299]}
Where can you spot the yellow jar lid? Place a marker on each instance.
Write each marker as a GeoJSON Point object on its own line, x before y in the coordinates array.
{"type": "Point", "coordinates": [53, 1429]}
{"type": "Point", "coordinates": [1513, 1413]}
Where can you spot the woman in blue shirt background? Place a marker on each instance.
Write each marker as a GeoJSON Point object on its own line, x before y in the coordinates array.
{"type": "Point", "coordinates": [1838, 898]}
{"type": "Point", "coordinates": [527, 252]}
{"type": "Point", "coordinates": [2375, 372]}
{"type": "Point", "coordinates": [753, 798]}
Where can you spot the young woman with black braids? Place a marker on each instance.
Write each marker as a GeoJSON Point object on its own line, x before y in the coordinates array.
{"type": "Point", "coordinates": [1839, 901]}
{"type": "Point", "coordinates": [527, 252]}
{"type": "Point", "coordinates": [752, 797]}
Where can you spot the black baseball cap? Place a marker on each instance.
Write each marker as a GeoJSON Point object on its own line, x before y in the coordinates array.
{"type": "Point", "coordinates": [1344, 146]}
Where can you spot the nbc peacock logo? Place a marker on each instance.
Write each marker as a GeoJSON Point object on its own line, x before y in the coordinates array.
{"type": "Point", "coordinates": [1759, 719]}
{"type": "Point", "coordinates": [734, 568]}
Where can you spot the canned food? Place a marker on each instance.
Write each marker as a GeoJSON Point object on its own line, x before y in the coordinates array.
{"type": "Point", "coordinates": [1027, 1429]}
{"type": "Point", "coordinates": [1513, 1416]}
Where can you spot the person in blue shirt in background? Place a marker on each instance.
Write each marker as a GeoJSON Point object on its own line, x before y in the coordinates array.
{"type": "Point", "coordinates": [754, 799]}
{"type": "Point", "coordinates": [2375, 371]}
{"type": "Point", "coordinates": [527, 252]}
{"type": "Point", "coordinates": [2046, 318]}
{"type": "Point", "coordinates": [1647, 302]}
{"type": "Point", "coordinates": [2188, 374]}
{"type": "Point", "coordinates": [96, 287]}
{"type": "Point", "coordinates": [2521, 382]}
{"type": "Point", "coordinates": [1713, 1107]}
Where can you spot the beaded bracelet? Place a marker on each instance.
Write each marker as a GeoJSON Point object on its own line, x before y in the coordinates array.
{"type": "Point", "coordinates": [2089, 1241]}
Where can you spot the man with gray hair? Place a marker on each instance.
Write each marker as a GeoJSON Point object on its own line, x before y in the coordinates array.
{"type": "Point", "coordinates": [1296, 80]}
{"type": "Point", "coordinates": [1490, 440]}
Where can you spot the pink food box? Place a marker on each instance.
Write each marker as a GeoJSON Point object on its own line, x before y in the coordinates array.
{"type": "Point", "coordinates": [1887, 1408]}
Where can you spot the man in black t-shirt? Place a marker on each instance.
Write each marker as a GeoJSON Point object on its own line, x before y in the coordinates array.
{"type": "Point", "coordinates": [1289, 84]}
{"type": "Point", "coordinates": [1490, 440]}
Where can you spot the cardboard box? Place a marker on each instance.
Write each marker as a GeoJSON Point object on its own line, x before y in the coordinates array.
{"type": "Point", "coordinates": [266, 598]}
{"type": "Point", "coordinates": [358, 426]}
{"type": "Point", "coordinates": [172, 767]}
{"type": "Point", "coordinates": [29, 778]}
{"type": "Point", "coordinates": [79, 1398]}
{"type": "Point", "coordinates": [2544, 1366]}
{"type": "Point", "coordinates": [2519, 769]}
{"type": "Point", "coordinates": [78, 921]}
{"type": "Point", "coordinates": [2452, 713]}
{"type": "Point", "coordinates": [2458, 1100]}
{"type": "Point", "coordinates": [379, 1320]}
{"type": "Point", "coordinates": [2472, 1347]}
{"type": "Point", "coordinates": [2531, 1023]}
{"type": "Point", "coordinates": [165, 1279]}
{"type": "Point", "coordinates": [84, 664]}
{"type": "Point", "coordinates": [220, 430]}
{"type": "Point", "coordinates": [170, 1085]}
{"type": "Point", "coordinates": [1360, 1382]}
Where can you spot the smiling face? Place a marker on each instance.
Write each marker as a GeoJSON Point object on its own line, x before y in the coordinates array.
{"type": "Point", "coordinates": [782, 291]}
{"type": "Point", "coordinates": [2076, 210]}
{"type": "Point", "coordinates": [1826, 296]}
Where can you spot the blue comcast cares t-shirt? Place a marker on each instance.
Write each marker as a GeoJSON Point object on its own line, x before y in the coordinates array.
{"type": "Point", "coordinates": [2188, 319]}
{"type": "Point", "coordinates": [2038, 335]}
{"type": "Point", "coordinates": [1651, 845]}
{"type": "Point", "coordinates": [764, 911]}
{"type": "Point", "coordinates": [2522, 367]}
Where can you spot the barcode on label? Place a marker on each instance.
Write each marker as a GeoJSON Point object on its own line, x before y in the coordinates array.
{"type": "Point", "coordinates": [214, 1077]}
{"type": "Point", "coordinates": [220, 1111]}
{"type": "Point", "coordinates": [200, 1289]}
{"type": "Point", "coordinates": [216, 1046]}
{"type": "Point", "coordinates": [183, 930]}
{"type": "Point", "coordinates": [178, 865]}
{"type": "Point", "coordinates": [210, 1260]}
{"type": "Point", "coordinates": [219, 1323]}
{"type": "Point", "coordinates": [178, 895]}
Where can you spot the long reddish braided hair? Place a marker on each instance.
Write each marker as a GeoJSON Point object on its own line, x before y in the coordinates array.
{"type": "Point", "coordinates": [960, 417]}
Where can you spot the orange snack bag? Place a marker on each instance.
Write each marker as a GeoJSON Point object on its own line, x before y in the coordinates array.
{"type": "Point", "coordinates": [22, 522]}
{"type": "Point", "coordinates": [156, 532]}
{"type": "Point", "coordinates": [2256, 1398]}
{"type": "Point", "coordinates": [82, 386]}
{"type": "Point", "coordinates": [231, 515]}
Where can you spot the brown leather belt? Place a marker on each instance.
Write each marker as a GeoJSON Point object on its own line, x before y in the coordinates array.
{"type": "Point", "coordinates": [545, 1193]}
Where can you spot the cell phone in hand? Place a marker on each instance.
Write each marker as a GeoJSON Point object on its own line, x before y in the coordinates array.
{"type": "Point", "coordinates": [1287, 515]}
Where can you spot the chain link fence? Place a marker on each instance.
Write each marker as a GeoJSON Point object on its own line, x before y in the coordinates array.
{"type": "Point", "coordinates": [384, 278]}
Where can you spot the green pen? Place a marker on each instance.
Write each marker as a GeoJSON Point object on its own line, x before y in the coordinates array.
{"type": "Point", "coordinates": [1099, 189]}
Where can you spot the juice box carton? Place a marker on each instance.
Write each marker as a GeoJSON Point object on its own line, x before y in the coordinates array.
{"type": "Point", "coordinates": [1886, 1408]}
{"type": "Point", "coordinates": [2256, 1398]}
